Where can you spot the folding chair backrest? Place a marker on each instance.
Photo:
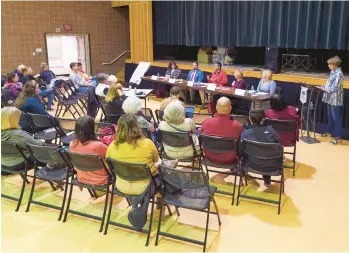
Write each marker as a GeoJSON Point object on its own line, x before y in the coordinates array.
{"type": "Point", "coordinates": [110, 114]}
{"type": "Point", "coordinates": [282, 126]}
{"type": "Point", "coordinates": [8, 149]}
{"type": "Point", "coordinates": [262, 153]}
{"type": "Point", "coordinates": [159, 115]}
{"type": "Point", "coordinates": [6, 97]}
{"type": "Point", "coordinates": [218, 145]}
{"type": "Point", "coordinates": [41, 121]}
{"type": "Point", "coordinates": [59, 95]}
{"type": "Point", "coordinates": [129, 171]}
{"type": "Point", "coordinates": [182, 179]}
{"type": "Point", "coordinates": [45, 154]}
{"type": "Point", "coordinates": [242, 119]}
{"type": "Point", "coordinates": [175, 139]}
{"type": "Point", "coordinates": [148, 114]}
{"type": "Point", "coordinates": [84, 162]}
{"type": "Point", "coordinates": [67, 125]}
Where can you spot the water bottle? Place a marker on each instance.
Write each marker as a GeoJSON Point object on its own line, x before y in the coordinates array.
{"type": "Point", "coordinates": [252, 88]}
{"type": "Point", "coordinates": [158, 74]}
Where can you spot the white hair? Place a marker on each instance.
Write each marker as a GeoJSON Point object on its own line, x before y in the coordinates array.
{"type": "Point", "coordinates": [268, 73]}
{"type": "Point", "coordinates": [112, 79]}
{"type": "Point", "coordinates": [132, 105]}
{"type": "Point", "coordinates": [174, 113]}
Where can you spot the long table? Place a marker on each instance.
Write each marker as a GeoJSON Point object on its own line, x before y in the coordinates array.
{"type": "Point", "coordinates": [222, 90]}
{"type": "Point", "coordinates": [144, 94]}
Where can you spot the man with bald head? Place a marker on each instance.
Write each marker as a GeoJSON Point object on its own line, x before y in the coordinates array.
{"type": "Point", "coordinates": [222, 126]}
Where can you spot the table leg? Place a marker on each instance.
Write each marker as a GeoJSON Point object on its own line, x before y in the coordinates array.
{"type": "Point", "coordinates": [145, 103]}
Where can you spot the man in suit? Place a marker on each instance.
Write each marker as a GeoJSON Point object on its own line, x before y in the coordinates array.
{"type": "Point", "coordinates": [196, 75]}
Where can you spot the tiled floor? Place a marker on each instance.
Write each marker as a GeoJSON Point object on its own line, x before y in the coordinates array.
{"type": "Point", "coordinates": [314, 215]}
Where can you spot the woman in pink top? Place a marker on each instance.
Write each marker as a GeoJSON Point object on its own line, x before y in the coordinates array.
{"type": "Point", "coordinates": [86, 142]}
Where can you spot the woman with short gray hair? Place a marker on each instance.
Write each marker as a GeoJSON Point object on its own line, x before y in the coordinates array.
{"type": "Point", "coordinates": [175, 121]}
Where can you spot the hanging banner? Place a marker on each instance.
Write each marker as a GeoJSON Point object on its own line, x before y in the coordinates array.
{"type": "Point", "coordinates": [304, 95]}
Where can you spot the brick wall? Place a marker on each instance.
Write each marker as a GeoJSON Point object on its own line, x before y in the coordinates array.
{"type": "Point", "coordinates": [23, 25]}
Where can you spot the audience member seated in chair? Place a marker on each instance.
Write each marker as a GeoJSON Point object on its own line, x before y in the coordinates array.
{"type": "Point", "coordinates": [46, 74]}
{"type": "Point", "coordinates": [11, 132]}
{"type": "Point", "coordinates": [175, 93]}
{"type": "Point", "coordinates": [44, 93]}
{"type": "Point", "coordinates": [28, 101]}
{"type": "Point", "coordinates": [175, 121]}
{"type": "Point", "coordinates": [13, 85]}
{"type": "Point", "coordinates": [110, 81]}
{"type": "Point", "coordinates": [132, 105]}
{"type": "Point", "coordinates": [131, 146]}
{"type": "Point", "coordinates": [221, 126]}
{"type": "Point", "coordinates": [79, 82]}
{"type": "Point", "coordinates": [20, 72]}
{"type": "Point", "coordinates": [82, 73]}
{"type": "Point", "coordinates": [102, 84]}
{"type": "Point", "coordinates": [260, 133]}
{"type": "Point", "coordinates": [86, 142]}
{"type": "Point", "coordinates": [279, 110]}
{"type": "Point", "coordinates": [115, 98]}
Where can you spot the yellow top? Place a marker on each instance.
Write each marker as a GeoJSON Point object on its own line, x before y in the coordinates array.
{"type": "Point", "coordinates": [145, 152]}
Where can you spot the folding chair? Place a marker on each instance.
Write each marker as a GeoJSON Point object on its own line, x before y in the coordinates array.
{"type": "Point", "coordinates": [65, 102]}
{"type": "Point", "coordinates": [242, 119]}
{"type": "Point", "coordinates": [187, 189]}
{"type": "Point", "coordinates": [8, 149]}
{"type": "Point", "coordinates": [286, 128]}
{"type": "Point", "coordinates": [219, 145]}
{"type": "Point", "coordinates": [159, 115]}
{"type": "Point", "coordinates": [42, 156]}
{"type": "Point", "coordinates": [80, 95]}
{"type": "Point", "coordinates": [6, 98]}
{"type": "Point", "coordinates": [110, 114]}
{"type": "Point", "coordinates": [264, 159]}
{"type": "Point", "coordinates": [87, 163]}
{"type": "Point", "coordinates": [131, 172]}
{"type": "Point", "coordinates": [44, 127]}
{"type": "Point", "coordinates": [177, 140]}
{"type": "Point", "coordinates": [149, 116]}
{"type": "Point", "coordinates": [199, 117]}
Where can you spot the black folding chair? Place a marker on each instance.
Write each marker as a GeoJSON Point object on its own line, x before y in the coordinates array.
{"type": "Point", "coordinates": [44, 127]}
{"type": "Point", "coordinates": [198, 118]}
{"type": "Point", "coordinates": [9, 149]}
{"type": "Point", "coordinates": [74, 93]}
{"type": "Point", "coordinates": [86, 163]}
{"type": "Point", "coordinates": [132, 172]}
{"type": "Point", "coordinates": [187, 189]}
{"type": "Point", "coordinates": [6, 98]}
{"type": "Point", "coordinates": [149, 116]}
{"type": "Point", "coordinates": [219, 145]}
{"type": "Point", "coordinates": [110, 115]}
{"type": "Point", "coordinates": [159, 115]}
{"type": "Point", "coordinates": [66, 102]}
{"type": "Point", "coordinates": [43, 156]}
{"type": "Point", "coordinates": [177, 140]}
{"type": "Point", "coordinates": [288, 127]}
{"type": "Point", "coordinates": [264, 159]}
{"type": "Point", "coordinates": [242, 119]}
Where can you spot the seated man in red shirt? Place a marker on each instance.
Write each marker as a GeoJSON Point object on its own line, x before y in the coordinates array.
{"type": "Point", "coordinates": [218, 77]}
{"type": "Point", "coordinates": [222, 126]}
{"type": "Point", "coordinates": [280, 110]}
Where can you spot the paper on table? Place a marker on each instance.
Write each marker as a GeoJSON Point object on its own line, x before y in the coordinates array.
{"type": "Point", "coordinates": [139, 72]}
{"type": "Point", "coordinates": [211, 86]}
{"type": "Point", "coordinates": [261, 93]}
{"type": "Point", "coordinates": [172, 80]}
{"type": "Point", "coordinates": [240, 92]}
{"type": "Point", "coordinates": [154, 77]}
{"type": "Point", "coordinates": [190, 83]}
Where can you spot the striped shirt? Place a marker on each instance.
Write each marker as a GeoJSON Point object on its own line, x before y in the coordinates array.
{"type": "Point", "coordinates": [334, 85]}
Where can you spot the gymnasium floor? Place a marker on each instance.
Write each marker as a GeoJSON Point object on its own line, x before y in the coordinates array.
{"type": "Point", "coordinates": [314, 215]}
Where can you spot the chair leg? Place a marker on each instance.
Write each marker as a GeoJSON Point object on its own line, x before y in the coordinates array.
{"type": "Point", "coordinates": [105, 209]}
{"type": "Point", "coordinates": [238, 198]}
{"type": "Point", "coordinates": [31, 194]}
{"type": "Point", "coordinates": [177, 211]}
{"type": "Point", "coordinates": [217, 211]}
{"type": "Point", "coordinates": [281, 189]}
{"type": "Point", "coordinates": [207, 172]}
{"type": "Point", "coordinates": [109, 211]}
{"type": "Point", "coordinates": [207, 223]}
{"type": "Point", "coordinates": [160, 219]}
{"type": "Point", "coordinates": [232, 201]}
{"type": "Point", "coordinates": [68, 204]}
{"type": "Point", "coordinates": [22, 191]}
{"type": "Point", "coordinates": [64, 198]}
{"type": "Point", "coordinates": [169, 210]}
{"type": "Point", "coordinates": [52, 185]}
{"type": "Point", "coordinates": [128, 202]}
{"type": "Point", "coordinates": [294, 160]}
{"type": "Point", "coordinates": [24, 178]}
{"type": "Point", "coordinates": [91, 193]}
{"type": "Point", "coordinates": [150, 222]}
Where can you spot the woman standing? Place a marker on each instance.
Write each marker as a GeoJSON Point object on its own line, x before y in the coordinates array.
{"type": "Point", "coordinates": [334, 99]}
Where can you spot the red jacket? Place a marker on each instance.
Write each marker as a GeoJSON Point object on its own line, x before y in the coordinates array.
{"type": "Point", "coordinates": [222, 126]}
{"type": "Point", "coordinates": [220, 78]}
{"type": "Point", "coordinates": [289, 113]}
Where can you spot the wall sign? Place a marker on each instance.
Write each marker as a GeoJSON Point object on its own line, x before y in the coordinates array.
{"type": "Point", "coordinates": [67, 27]}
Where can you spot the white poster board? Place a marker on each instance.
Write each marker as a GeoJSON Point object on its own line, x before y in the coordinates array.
{"type": "Point", "coordinates": [139, 72]}
{"type": "Point", "coordinates": [303, 95]}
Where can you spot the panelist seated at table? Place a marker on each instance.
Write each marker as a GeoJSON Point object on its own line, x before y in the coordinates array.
{"type": "Point", "coordinates": [239, 83]}
{"type": "Point", "coordinates": [266, 84]}
{"type": "Point", "coordinates": [279, 110]}
{"type": "Point", "coordinates": [196, 76]}
{"type": "Point", "coordinates": [173, 71]}
{"type": "Point", "coordinates": [218, 76]}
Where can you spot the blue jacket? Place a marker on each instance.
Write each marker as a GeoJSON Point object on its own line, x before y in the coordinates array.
{"type": "Point", "coordinates": [31, 105]}
{"type": "Point", "coordinates": [199, 76]}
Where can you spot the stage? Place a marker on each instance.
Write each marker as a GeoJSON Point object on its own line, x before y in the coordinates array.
{"type": "Point", "coordinates": [289, 82]}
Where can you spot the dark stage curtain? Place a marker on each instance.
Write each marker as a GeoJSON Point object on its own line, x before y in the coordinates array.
{"type": "Point", "coordinates": [290, 90]}
{"type": "Point", "coordinates": [287, 24]}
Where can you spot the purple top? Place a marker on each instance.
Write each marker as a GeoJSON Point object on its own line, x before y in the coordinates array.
{"type": "Point", "coordinates": [239, 84]}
